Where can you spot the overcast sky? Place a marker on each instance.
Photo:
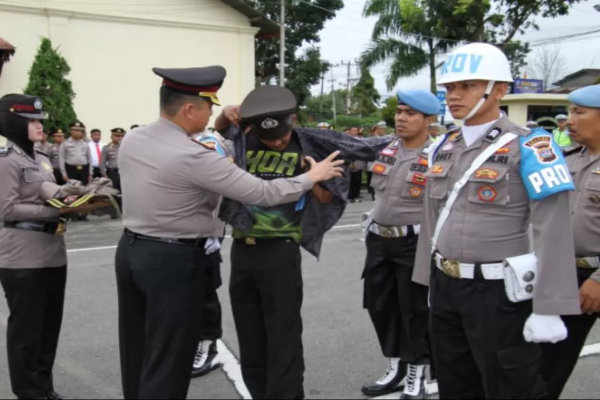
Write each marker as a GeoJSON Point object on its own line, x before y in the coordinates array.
{"type": "Point", "coordinates": [347, 35]}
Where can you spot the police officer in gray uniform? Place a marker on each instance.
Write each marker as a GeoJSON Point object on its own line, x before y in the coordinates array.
{"type": "Point", "coordinates": [109, 165]}
{"type": "Point", "coordinates": [75, 157]}
{"type": "Point", "coordinates": [492, 301]}
{"type": "Point", "coordinates": [171, 186]}
{"type": "Point", "coordinates": [559, 360]}
{"type": "Point", "coordinates": [53, 155]}
{"type": "Point", "coordinates": [33, 256]}
{"type": "Point", "coordinates": [397, 306]}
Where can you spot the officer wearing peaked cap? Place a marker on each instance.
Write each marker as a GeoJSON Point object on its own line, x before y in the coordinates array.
{"type": "Point", "coordinates": [75, 156]}
{"type": "Point", "coordinates": [53, 154]}
{"type": "Point", "coordinates": [168, 212]}
{"type": "Point", "coordinates": [397, 306]}
{"type": "Point", "coordinates": [492, 301]}
{"type": "Point", "coordinates": [109, 163]}
{"type": "Point", "coordinates": [559, 360]}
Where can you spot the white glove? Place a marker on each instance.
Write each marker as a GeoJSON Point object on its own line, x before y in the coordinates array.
{"type": "Point", "coordinates": [212, 245]}
{"type": "Point", "coordinates": [544, 329]}
{"type": "Point", "coordinates": [365, 222]}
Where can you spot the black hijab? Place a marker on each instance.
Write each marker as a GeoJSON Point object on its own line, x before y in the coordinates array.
{"type": "Point", "coordinates": [16, 110]}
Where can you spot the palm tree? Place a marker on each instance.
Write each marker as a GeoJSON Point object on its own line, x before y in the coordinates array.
{"type": "Point", "coordinates": [406, 34]}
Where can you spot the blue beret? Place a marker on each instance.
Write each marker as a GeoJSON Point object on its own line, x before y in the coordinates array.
{"type": "Point", "coordinates": [588, 96]}
{"type": "Point", "coordinates": [420, 100]}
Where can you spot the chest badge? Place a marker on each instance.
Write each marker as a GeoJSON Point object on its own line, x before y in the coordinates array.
{"type": "Point", "coordinates": [379, 169]}
{"type": "Point", "coordinates": [594, 199]}
{"type": "Point", "coordinates": [487, 194]}
{"type": "Point", "coordinates": [415, 191]}
{"type": "Point", "coordinates": [486, 173]}
{"type": "Point", "coordinates": [389, 152]}
{"type": "Point", "coordinates": [46, 166]}
{"type": "Point", "coordinates": [437, 169]}
{"type": "Point", "coordinates": [596, 171]}
{"type": "Point", "coordinates": [542, 146]}
{"type": "Point", "coordinates": [503, 150]}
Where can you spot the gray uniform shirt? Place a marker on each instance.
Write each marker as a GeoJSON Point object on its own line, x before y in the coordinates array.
{"type": "Point", "coordinates": [172, 185]}
{"type": "Point", "coordinates": [109, 158]}
{"type": "Point", "coordinates": [585, 204]}
{"type": "Point", "coordinates": [399, 183]}
{"type": "Point", "coordinates": [21, 178]}
{"type": "Point", "coordinates": [43, 147]}
{"type": "Point", "coordinates": [75, 152]}
{"type": "Point", "coordinates": [491, 216]}
{"type": "Point", "coordinates": [53, 155]}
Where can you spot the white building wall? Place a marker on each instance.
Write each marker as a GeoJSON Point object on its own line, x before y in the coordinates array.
{"type": "Point", "coordinates": [111, 50]}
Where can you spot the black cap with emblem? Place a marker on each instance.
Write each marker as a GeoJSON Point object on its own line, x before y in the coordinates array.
{"type": "Point", "coordinates": [118, 131]}
{"type": "Point", "coordinates": [77, 125]}
{"type": "Point", "coordinates": [269, 111]}
{"type": "Point", "coordinates": [203, 82]}
{"type": "Point", "coordinates": [22, 105]}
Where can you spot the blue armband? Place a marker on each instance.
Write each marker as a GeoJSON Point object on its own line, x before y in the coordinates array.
{"type": "Point", "coordinates": [543, 168]}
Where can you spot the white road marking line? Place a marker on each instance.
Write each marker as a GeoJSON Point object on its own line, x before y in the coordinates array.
{"type": "Point", "coordinates": [232, 369]}
{"type": "Point", "coordinates": [227, 237]}
{"type": "Point", "coordinates": [432, 388]}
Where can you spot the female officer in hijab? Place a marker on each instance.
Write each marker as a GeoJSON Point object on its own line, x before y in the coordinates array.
{"type": "Point", "coordinates": [32, 251]}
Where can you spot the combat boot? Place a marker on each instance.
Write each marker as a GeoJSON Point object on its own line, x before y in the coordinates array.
{"type": "Point", "coordinates": [415, 383]}
{"type": "Point", "coordinates": [392, 381]}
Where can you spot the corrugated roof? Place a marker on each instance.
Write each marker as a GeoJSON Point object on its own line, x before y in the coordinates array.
{"type": "Point", "coordinates": [267, 27]}
{"type": "Point", "coordinates": [577, 73]}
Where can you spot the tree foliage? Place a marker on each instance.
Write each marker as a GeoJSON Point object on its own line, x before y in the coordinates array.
{"type": "Point", "coordinates": [303, 22]}
{"type": "Point", "coordinates": [47, 80]}
{"type": "Point", "coordinates": [364, 95]}
{"type": "Point", "coordinates": [547, 64]}
{"type": "Point", "coordinates": [388, 112]}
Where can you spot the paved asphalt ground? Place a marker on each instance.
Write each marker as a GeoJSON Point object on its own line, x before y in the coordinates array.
{"type": "Point", "coordinates": [340, 345]}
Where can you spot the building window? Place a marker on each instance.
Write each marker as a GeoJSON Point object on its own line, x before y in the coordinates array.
{"type": "Point", "coordinates": [545, 115]}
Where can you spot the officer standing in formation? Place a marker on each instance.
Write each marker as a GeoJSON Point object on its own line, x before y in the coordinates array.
{"type": "Point", "coordinates": [33, 255]}
{"type": "Point", "coordinates": [397, 306]}
{"type": "Point", "coordinates": [43, 145]}
{"type": "Point", "coordinates": [54, 155]}
{"type": "Point", "coordinates": [559, 360]}
{"type": "Point", "coordinates": [75, 157]}
{"type": "Point", "coordinates": [109, 165]}
{"type": "Point", "coordinates": [486, 184]}
{"type": "Point", "coordinates": [168, 212]}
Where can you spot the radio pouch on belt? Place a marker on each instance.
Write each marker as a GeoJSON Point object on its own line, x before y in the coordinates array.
{"type": "Point", "coordinates": [520, 277]}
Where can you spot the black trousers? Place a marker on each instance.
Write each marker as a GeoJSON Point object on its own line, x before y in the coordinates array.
{"type": "Point", "coordinates": [80, 173]}
{"type": "Point", "coordinates": [370, 188]}
{"type": "Point", "coordinates": [96, 172]}
{"type": "Point", "coordinates": [397, 306]}
{"type": "Point", "coordinates": [212, 319]}
{"type": "Point", "coordinates": [355, 184]}
{"type": "Point", "coordinates": [159, 287]}
{"type": "Point", "coordinates": [266, 298]}
{"type": "Point", "coordinates": [477, 341]}
{"type": "Point", "coordinates": [559, 360]}
{"type": "Point", "coordinates": [115, 177]}
{"type": "Point", "coordinates": [58, 176]}
{"type": "Point", "coordinates": [35, 300]}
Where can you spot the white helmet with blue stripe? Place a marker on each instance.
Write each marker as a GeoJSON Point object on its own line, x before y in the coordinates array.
{"type": "Point", "coordinates": [477, 61]}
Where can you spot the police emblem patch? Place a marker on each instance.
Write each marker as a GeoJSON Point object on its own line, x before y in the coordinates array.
{"type": "Point", "coordinates": [487, 194]}
{"type": "Point", "coordinates": [436, 169]}
{"type": "Point", "coordinates": [379, 169]}
{"type": "Point", "coordinates": [415, 191]}
{"type": "Point", "coordinates": [542, 145]}
{"type": "Point", "coordinates": [503, 150]}
{"type": "Point", "coordinates": [208, 145]}
{"type": "Point", "coordinates": [269, 123]}
{"type": "Point", "coordinates": [46, 166]}
{"type": "Point", "coordinates": [486, 173]}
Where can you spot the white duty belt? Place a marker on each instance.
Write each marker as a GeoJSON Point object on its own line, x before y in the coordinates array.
{"type": "Point", "coordinates": [458, 270]}
{"type": "Point", "coordinates": [393, 231]}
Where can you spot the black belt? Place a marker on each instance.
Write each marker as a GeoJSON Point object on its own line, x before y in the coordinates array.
{"type": "Point", "coordinates": [252, 241]}
{"type": "Point", "coordinates": [113, 169]}
{"type": "Point", "coordinates": [200, 242]}
{"type": "Point", "coordinates": [52, 228]}
{"type": "Point", "coordinates": [78, 167]}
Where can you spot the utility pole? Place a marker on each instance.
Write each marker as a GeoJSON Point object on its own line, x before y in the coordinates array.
{"type": "Point", "coordinates": [282, 45]}
{"type": "Point", "coordinates": [322, 89]}
{"type": "Point", "coordinates": [349, 87]}
{"type": "Point", "coordinates": [333, 97]}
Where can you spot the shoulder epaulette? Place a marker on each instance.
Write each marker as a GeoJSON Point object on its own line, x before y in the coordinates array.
{"type": "Point", "coordinates": [573, 151]}
{"type": "Point", "coordinates": [41, 152]}
{"type": "Point", "coordinates": [4, 151]}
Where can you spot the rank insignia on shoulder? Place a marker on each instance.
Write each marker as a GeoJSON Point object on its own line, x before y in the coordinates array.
{"type": "Point", "coordinates": [494, 133]}
{"type": "Point", "coordinates": [4, 151]}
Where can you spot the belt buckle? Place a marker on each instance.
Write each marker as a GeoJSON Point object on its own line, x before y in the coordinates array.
{"type": "Point", "coordinates": [582, 263]}
{"type": "Point", "coordinates": [451, 268]}
{"type": "Point", "coordinates": [79, 168]}
{"type": "Point", "coordinates": [60, 229]}
{"type": "Point", "coordinates": [250, 241]}
{"type": "Point", "coordinates": [386, 232]}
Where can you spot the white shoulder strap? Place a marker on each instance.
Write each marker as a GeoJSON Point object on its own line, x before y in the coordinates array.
{"type": "Point", "coordinates": [478, 162]}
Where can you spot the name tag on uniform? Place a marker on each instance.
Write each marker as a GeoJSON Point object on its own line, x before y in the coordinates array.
{"type": "Point", "coordinates": [389, 152]}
